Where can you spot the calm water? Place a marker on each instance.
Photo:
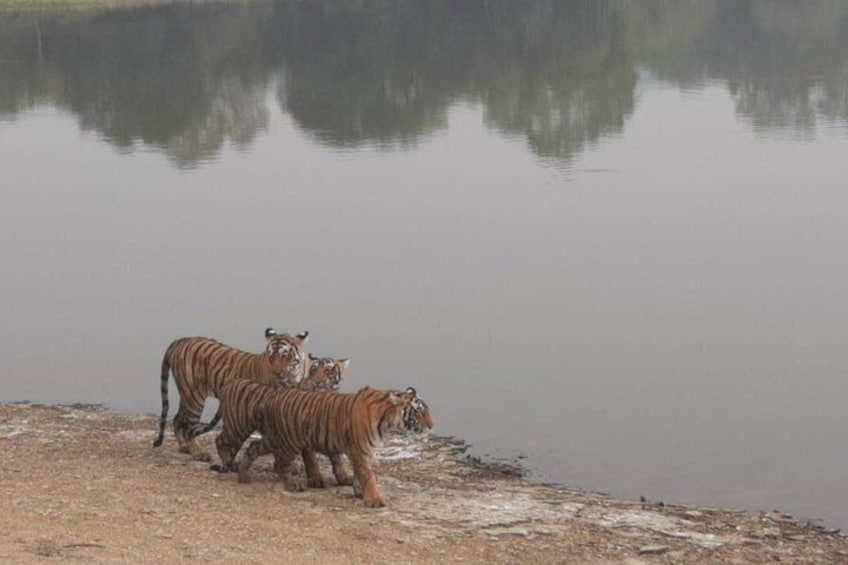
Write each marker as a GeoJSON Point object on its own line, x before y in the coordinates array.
{"type": "Point", "coordinates": [607, 237]}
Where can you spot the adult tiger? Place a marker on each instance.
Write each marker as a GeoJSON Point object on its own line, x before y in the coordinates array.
{"type": "Point", "coordinates": [239, 404]}
{"type": "Point", "coordinates": [292, 421]}
{"type": "Point", "coordinates": [201, 366]}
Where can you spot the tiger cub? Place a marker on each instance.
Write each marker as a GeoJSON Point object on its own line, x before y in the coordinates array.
{"type": "Point", "coordinates": [202, 366]}
{"type": "Point", "coordinates": [292, 420]}
{"type": "Point", "coordinates": [323, 373]}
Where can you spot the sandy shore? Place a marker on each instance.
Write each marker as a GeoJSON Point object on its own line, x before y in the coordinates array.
{"type": "Point", "coordinates": [83, 485]}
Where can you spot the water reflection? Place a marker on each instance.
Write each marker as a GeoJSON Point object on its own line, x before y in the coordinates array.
{"type": "Point", "coordinates": [361, 72]}
{"type": "Point", "coordinates": [561, 75]}
{"type": "Point", "coordinates": [782, 61]}
{"type": "Point", "coordinates": [175, 78]}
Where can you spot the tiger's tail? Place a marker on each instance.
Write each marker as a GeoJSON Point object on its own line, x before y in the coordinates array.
{"type": "Point", "coordinates": [166, 369]}
{"type": "Point", "coordinates": [215, 419]}
{"type": "Point", "coordinates": [200, 428]}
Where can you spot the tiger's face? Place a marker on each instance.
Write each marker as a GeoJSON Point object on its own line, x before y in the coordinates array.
{"type": "Point", "coordinates": [286, 355]}
{"type": "Point", "coordinates": [324, 374]}
{"type": "Point", "coordinates": [411, 415]}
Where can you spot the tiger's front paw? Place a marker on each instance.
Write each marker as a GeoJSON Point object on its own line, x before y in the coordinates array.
{"type": "Point", "coordinates": [374, 502]}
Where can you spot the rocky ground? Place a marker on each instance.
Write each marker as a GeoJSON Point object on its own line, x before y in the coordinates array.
{"type": "Point", "coordinates": [80, 484]}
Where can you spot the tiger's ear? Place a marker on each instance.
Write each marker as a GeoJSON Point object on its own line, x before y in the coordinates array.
{"type": "Point", "coordinates": [270, 332]}
{"type": "Point", "coordinates": [302, 336]}
{"type": "Point", "coordinates": [312, 357]}
{"type": "Point", "coordinates": [411, 391]}
{"type": "Point", "coordinates": [344, 364]}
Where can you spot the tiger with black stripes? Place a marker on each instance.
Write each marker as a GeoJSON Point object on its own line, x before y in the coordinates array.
{"type": "Point", "coordinates": [239, 404]}
{"type": "Point", "coordinates": [322, 373]}
{"type": "Point", "coordinates": [292, 421]}
{"type": "Point", "coordinates": [202, 366]}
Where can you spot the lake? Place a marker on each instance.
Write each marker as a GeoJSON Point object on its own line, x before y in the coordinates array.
{"type": "Point", "coordinates": [605, 239]}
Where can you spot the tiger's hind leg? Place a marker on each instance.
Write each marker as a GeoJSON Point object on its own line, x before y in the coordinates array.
{"type": "Point", "coordinates": [313, 474]}
{"type": "Point", "coordinates": [181, 431]}
{"type": "Point", "coordinates": [339, 471]}
{"type": "Point", "coordinates": [283, 464]}
{"type": "Point", "coordinates": [228, 446]}
{"type": "Point", "coordinates": [290, 473]}
{"type": "Point", "coordinates": [257, 448]}
{"type": "Point", "coordinates": [186, 422]}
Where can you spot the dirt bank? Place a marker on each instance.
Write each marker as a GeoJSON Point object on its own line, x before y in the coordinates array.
{"type": "Point", "coordinates": [83, 485]}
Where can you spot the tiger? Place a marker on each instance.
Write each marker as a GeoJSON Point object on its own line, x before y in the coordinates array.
{"type": "Point", "coordinates": [239, 402]}
{"type": "Point", "coordinates": [292, 421]}
{"type": "Point", "coordinates": [201, 366]}
{"type": "Point", "coordinates": [321, 373]}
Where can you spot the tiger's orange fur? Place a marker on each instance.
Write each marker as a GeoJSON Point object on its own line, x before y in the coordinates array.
{"type": "Point", "coordinates": [292, 421]}
{"type": "Point", "coordinates": [323, 373]}
{"type": "Point", "coordinates": [240, 401]}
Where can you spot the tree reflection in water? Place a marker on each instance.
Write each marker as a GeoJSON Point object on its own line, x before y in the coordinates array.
{"type": "Point", "coordinates": [189, 78]}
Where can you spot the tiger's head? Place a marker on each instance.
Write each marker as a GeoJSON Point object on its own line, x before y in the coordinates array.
{"type": "Point", "coordinates": [324, 374]}
{"type": "Point", "coordinates": [410, 414]}
{"type": "Point", "coordinates": [286, 355]}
